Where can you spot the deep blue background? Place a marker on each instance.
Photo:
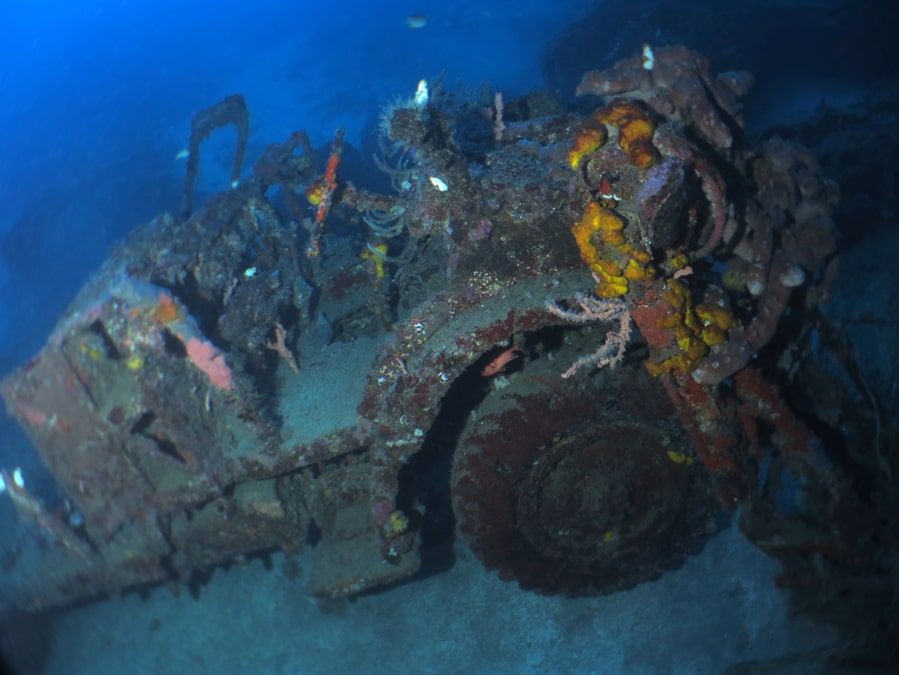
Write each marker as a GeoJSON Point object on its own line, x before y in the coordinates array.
{"type": "Point", "coordinates": [96, 101]}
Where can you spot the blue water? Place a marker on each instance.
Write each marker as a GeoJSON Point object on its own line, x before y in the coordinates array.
{"type": "Point", "coordinates": [96, 99]}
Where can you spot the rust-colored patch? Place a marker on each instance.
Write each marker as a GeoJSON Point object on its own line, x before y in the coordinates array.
{"type": "Point", "coordinates": [569, 490]}
{"type": "Point", "coordinates": [166, 311]}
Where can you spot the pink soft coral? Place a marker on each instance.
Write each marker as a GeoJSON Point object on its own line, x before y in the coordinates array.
{"type": "Point", "coordinates": [205, 356]}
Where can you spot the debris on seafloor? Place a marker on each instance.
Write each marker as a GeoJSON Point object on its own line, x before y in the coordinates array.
{"type": "Point", "coordinates": [625, 272]}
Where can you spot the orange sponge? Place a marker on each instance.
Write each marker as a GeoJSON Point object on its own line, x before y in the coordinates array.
{"type": "Point", "coordinates": [589, 139]}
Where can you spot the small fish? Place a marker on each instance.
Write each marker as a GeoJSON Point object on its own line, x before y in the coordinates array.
{"type": "Point", "coordinates": [415, 21]}
{"type": "Point", "coordinates": [183, 154]}
{"type": "Point", "coordinates": [606, 195]}
{"type": "Point", "coordinates": [500, 361]}
{"type": "Point", "coordinates": [605, 186]}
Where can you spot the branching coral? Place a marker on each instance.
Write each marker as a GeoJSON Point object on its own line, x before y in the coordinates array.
{"type": "Point", "coordinates": [590, 310]}
{"type": "Point", "coordinates": [397, 162]}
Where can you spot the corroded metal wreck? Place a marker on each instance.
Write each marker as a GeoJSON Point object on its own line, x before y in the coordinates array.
{"type": "Point", "coordinates": [550, 325]}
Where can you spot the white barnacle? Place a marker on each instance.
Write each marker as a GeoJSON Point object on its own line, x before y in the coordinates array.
{"type": "Point", "coordinates": [421, 94]}
{"type": "Point", "coordinates": [755, 287]}
{"type": "Point", "coordinates": [648, 57]}
{"type": "Point", "coordinates": [250, 272]}
{"type": "Point", "coordinates": [18, 478]}
{"type": "Point", "coordinates": [438, 183]}
{"type": "Point", "coordinates": [792, 277]}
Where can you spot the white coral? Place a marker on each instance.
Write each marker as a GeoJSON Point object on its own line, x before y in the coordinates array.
{"type": "Point", "coordinates": [611, 351]}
